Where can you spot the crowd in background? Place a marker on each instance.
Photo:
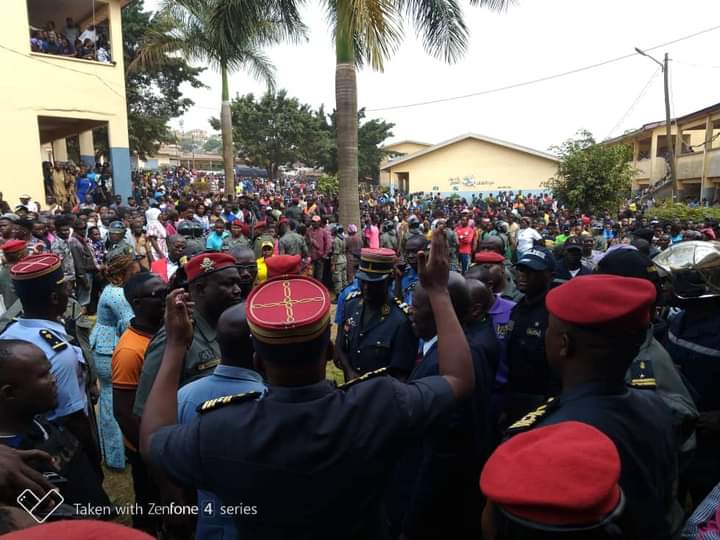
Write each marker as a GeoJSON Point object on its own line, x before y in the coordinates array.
{"type": "Point", "coordinates": [505, 253]}
{"type": "Point", "coordinates": [88, 44]}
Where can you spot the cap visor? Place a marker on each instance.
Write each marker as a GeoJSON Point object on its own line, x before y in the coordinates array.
{"type": "Point", "coordinates": [532, 264]}
{"type": "Point", "coordinates": [364, 276]}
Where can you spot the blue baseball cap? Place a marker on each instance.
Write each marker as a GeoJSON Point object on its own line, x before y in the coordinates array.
{"type": "Point", "coordinates": [538, 259]}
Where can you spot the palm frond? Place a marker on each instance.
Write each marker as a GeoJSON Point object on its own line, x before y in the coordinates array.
{"type": "Point", "coordinates": [258, 65]}
{"type": "Point", "coordinates": [373, 26]}
{"type": "Point", "coordinates": [440, 25]}
{"type": "Point", "coordinates": [494, 5]}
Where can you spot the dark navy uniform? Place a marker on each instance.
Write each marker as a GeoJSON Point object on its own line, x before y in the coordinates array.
{"type": "Point", "coordinates": [694, 345]}
{"type": "Point", "coordinates": [434, 490]}
{"type": "Point", "coordinates": [640, 425]}
{"type": "Point", "coordinates": [530, 381]}
{"type": "Point", "coordinates": [312, 460]}
{"type": "Point", "coordinates": [386, 341]}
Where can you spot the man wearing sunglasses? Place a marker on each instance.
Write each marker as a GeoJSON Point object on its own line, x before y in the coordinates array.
{"type": "Point", "coordinates": [146, 293]}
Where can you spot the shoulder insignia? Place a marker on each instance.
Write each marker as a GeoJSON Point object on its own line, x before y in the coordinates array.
{"type": "Point", "coordinates": [403, 306]}
{"type": "Point", "coordinates": [354, 294]}
{"type": "Point", "coordinates": [212, 404]}
{"type": "Point", "coordinates": [531, 418]}
{"type": "Point", "coordinates": [369, 375]}
{"type": "Point", "coordinates": [642, 375]}
{"type": "Point", "coordinates": [204, 366]}
{"type": "Point", "coordinates": [55, 342]}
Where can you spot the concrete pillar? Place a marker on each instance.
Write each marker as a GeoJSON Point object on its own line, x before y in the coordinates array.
{"type": "Point", "coordinates": [120, 159]}
{"type": "Point", "coordinates": [87, 148]}
{"type": "Point", "coordinates": [60, 150]}
{"type": "Point", "coordinates": [653, 160]}
{"type": "Point", "coordinates": [706, 188]}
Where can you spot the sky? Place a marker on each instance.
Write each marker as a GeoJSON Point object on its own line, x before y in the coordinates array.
{"type": "Point", "coordinates": [532, 39]}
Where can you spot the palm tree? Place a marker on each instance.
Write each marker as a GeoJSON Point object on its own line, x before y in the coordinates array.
{"type": "Point", "coordinates": [226, 35]}
{"type": "Point", "coordinates": [369, 32]}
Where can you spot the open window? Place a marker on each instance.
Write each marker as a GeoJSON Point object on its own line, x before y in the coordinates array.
{"type": "Point", "coordinates": [693, 138]}
{"type": "Point", "coordinates": [70, 28]}
{"type": "Point", "coordinates": [644, 146]}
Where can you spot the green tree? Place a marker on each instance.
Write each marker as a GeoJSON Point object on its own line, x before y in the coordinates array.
{"type": "Point", "coordinates": [367, 32]}
{"type": "Point", "coordinates": [153, 94]}
{"type": "Point", "coordinates": [227, 35]}
{"type": "Point", "coordinates": [275, 130]}
{"type": "Point", "coordinates": [213, 144]}
{"type": "Point", "coordinates": [371, 135]}
{"type": "Point", "coordinates": [592, 177]}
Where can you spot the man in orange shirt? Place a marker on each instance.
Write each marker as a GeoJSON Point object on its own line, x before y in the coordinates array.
{"type": "Point", "coordinates": [146, 293]}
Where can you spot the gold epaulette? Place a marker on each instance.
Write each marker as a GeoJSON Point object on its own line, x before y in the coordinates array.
{"type": "Point", "coordinates": [369, 375]}
{"type": "Point", "coordinates": [55, 342]}
{"type": "Point", "coordinates": [212, 404]}
{"type": "Point", "coordinates": [352, 295]}
{"type": "Point", "coordinates": [532, 417]}
{"type": "Point", "coordinates": [403, 306]}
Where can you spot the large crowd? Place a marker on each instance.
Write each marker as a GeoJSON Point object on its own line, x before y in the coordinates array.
{"type": "Point", "coordinates": [497, 366]}
{"type": "Point", "coordinates": [88, 44]}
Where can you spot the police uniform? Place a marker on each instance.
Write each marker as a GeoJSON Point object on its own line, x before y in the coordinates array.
{"type": "Point", "coordinates": [408, 281]}
{"type": "Point", "coordinates": [637, 421]}
{"type": "Point", "coordinates": [386, 339]}
{"type": "Point", "coordinates": [67, 362]}
{"type": "Point", "coordinates": [312, 460]}
{"type": "Point", "coordinates": [204, 352]}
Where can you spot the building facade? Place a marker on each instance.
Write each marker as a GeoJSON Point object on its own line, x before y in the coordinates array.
{"type": "Point", "coordinates": [46, 97]}
{"type": "Point", "coordinates": [470, 164]}
{"type": "Point", "coordinates": [695, 139]}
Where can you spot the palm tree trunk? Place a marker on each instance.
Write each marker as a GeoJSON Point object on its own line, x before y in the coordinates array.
{"type": "Point", "coordinates": [346, 118]}
{"type": "Point", "coordinates": [227, 137]}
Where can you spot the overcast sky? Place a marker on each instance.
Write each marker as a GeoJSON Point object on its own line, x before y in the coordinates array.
{"type": "Point", "coordinates": [533, 39]}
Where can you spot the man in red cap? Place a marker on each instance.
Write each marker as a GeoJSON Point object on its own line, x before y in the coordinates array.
{"type": "Point", "coordinates": [281, 265]}
{"type": "Point", "coordinates": [591, 349]}
{"type": "Point", "coordinates": [307, 459]}
{"type": "Point", "coordinates": [214, 284]}
{"type": "Point", "coordinates": [559, 481]}
{"type": "Point", "coordinates": [13, 251]}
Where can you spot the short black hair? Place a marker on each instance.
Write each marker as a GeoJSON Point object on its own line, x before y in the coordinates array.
{"type": "Point", "coordinates": [294, 353]}
{"type": "Point", "coordinates": [64, 221]}
{"type": "Point", "coordinates": [132, 287]}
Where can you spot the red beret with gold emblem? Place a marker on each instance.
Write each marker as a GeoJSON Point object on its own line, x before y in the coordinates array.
{"type": "Point", "coordinates": [488, 257]}
{"type": "Point", "coordinates": [288, 309]}
{"type": "Point", "coordinates": [204, 264]}
{"type": "Point", "coordinates": [603, 302]}
{"type": "Point", "coordinates": [560, 475]}
{"type": "Point", "coordinates": [13, 246]}
{"type": "Point", "coordinates": [279, 265]}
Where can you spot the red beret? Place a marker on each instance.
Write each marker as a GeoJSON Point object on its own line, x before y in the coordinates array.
{"type": "Point", "coordinates": [603, 301]}
{"type": "Point", "coordinates": [261, 224]}
{"type": "Point", "coordinates": [204, 264]}
{"type": "Point", "coordinates": [489, 257]}
{"type": "Point", "coordinates": [283, 219]}
{"type": "Point", "coordinates": [277, 265]}
{"type": "Point", "coordinates": [71, 529]}
{"type": "Point", "coordinates": [288, 309]}
{"type": "Point", "coordinates": [563, 474]}
{"type": "Point", "coordinates": [13, 246]}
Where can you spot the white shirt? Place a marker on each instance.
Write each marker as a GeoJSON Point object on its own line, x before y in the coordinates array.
{"type": "Point", "coordinates": [88, 34]}
{"type": "Point", "coordinates": [427, 345]}
{"type": "Point", "coordinates": [526, 238]}
{"type": "Point", "coordinates": [171, 269]}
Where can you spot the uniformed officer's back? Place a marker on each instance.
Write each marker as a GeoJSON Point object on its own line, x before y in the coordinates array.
{"type": "Point", "coordinates": [312, 458]}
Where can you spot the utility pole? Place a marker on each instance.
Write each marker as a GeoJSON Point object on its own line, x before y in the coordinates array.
{"type": "Point", "coordinates": [670, 153]}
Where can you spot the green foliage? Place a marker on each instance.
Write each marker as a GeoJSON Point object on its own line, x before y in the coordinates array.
{"type": "Point", "coordinates": [275, 130]}
{"type": "Point", "coordinates": [213, 145]}
{"type": "Point", "coordinates": [668, 211]}
{"type": "Point", "coordinates": [371, 135]}
{"type": "Point", "coordinates": [153, 94]}
{"type": "Point", "coordinates": [591, 177]}
{"type": "Point", "coordinates": [329, 184]}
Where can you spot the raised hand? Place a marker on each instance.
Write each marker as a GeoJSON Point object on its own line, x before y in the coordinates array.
{"type": "Point", "coordinates": [434, 269]}
{"type": "Point", "coordinates": [178, 318]}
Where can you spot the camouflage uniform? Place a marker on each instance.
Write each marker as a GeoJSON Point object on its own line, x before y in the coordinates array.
{"type": "Point", "coordinates": [338, 260]}
{"type": "Point", "coordinates": [291, 243]}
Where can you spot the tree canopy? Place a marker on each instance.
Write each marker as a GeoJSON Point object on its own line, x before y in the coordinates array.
{"type": "Point", "coordinates": [274, 130]}
{"type": "Point", "coordinates": [592, 177]}
{"type": "Point", "coordinates": [153, 94]}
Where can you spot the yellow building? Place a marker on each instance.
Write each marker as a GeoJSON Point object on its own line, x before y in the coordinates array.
{"type": "Point", "coordinates": [470, 164]}
{"type": "Point", "coordinates": [696, 150]}
{"type": "Point", "coordinates": [46, 98]}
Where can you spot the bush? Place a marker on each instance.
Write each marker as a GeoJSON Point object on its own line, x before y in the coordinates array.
{"type": "Point", "coordinates": [667, 212]}
{"type": "Point", "coordinates": [328, 184]}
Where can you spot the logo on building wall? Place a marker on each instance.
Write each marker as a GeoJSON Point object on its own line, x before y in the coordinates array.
{"type": "Point", "coordinates": [468, 181]}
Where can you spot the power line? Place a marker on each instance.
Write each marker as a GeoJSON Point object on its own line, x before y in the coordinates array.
{"type": "Point", "coordinates": [542, 79]}
{"type": "Point", "coordinates": [634, 103]}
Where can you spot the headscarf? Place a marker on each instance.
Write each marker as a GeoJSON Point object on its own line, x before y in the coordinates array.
{"type": "Point", "coordinates": [152, 214]}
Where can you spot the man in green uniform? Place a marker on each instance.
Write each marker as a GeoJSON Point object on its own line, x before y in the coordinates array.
{"type": "Point", "coordinates": [215, 285]}
{"type": "Point", "coordinates": [291, 243]}
{"type": "Point", "coordinates": [338, 260]}
{"type": "Point", "coordinates": [263, 235]}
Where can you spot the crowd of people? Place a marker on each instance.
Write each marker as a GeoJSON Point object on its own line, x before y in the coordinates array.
{"type": "Point", "coordinates": [504, 367]}
{"type": "Point", "coordinates": [88, 44]}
